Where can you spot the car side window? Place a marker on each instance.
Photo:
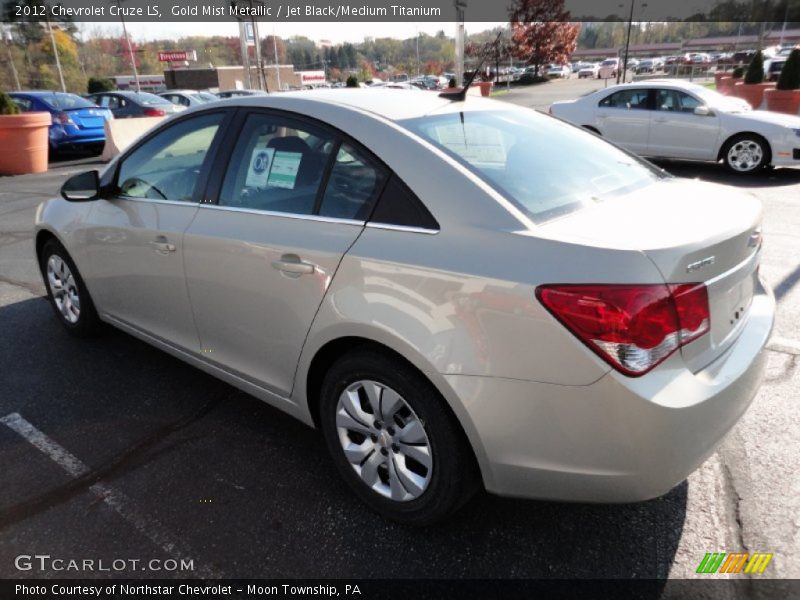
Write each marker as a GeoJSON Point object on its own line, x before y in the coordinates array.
{"type": "Point", "coordinates": [398, 205]}
{"type": "Point", "coordinates": [25, 104]}
{"type": "Point", "coordinates": [278, 165]}
{"type": "Point", "coordinates": [167, 166]}
{"type": "Point", "coordinates": [354, 183]}
{"type": "Point", "coordinates": [676, 101]}
{"type": "Point", "coordinates": [629, 99]}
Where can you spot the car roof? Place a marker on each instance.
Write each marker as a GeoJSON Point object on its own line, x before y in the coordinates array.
{"type": "Point", "coordinates": [391, 104]}
{"type": "Point", "coordinates": [176, 92]}
{"type": "Point", "coordinates": [40, 93]}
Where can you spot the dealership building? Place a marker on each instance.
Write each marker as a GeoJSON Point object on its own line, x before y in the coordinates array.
{"type": "Point", "coordinates": [233, 77]}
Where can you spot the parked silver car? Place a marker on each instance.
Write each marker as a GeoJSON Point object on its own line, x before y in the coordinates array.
{"type": "Point", "coordinates": [452, 302]}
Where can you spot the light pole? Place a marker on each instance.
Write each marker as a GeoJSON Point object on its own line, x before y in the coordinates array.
{"type": "Point", "coordinates": [460, 5]}
{"type": "Point", "coordinates": [130, 48]}
{"type": "Point", "coordinates": [627, 42]}
{"type": "Point", "coordinates": [11, 59]}
{"type": "Point", "coordinates": [55, 50]}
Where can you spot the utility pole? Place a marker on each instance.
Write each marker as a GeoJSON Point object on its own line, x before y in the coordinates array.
{"type": "Point", "coordinates": [417, 51]}
{"type": "Point", "coordinates": [130, 48]}
{"type": "Point", "coordinates": [627, 43]}
{"type": "Point", "coordinates": [11, 60]}
{"type": "Point", "coordinates": [277, 64]}
{"type": "Point", "coordinates": [262, 84]}
{"type": "Point", "coordinates": [55, 50]}
{"type": "Point", "coordinates": [460, 5]}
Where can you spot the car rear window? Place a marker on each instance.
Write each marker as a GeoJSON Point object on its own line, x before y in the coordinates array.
{"type": "Point", "coordinates": [149, 99]}
{"type": "Point", "coordinates": [63, 101]}
{"type": "Point", "coordinates": [546, 167]}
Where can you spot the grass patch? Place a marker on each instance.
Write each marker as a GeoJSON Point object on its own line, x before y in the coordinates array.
{"type": "Point", "coordinates": [710, 85]}
{"type": "Point", "coordinates": [502, 92]}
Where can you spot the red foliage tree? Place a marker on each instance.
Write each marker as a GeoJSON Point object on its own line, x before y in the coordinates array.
{"type": "Point", "coordinates": [541, 32]}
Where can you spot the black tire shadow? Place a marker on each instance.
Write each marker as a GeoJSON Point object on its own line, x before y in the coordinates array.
{"type": "Point", "coordinates": [280, 509]}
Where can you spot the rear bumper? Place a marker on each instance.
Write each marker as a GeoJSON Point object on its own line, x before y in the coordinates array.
{"type": "Point", "coordinates": [619, 439]}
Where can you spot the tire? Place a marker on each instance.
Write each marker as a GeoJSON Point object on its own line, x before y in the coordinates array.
{"type": "Point", "coordinates": [746, 154]}
{"type": "Point", "coordinates": [417, 466]}
{"type": "Point", "coordinates": [67, 292]}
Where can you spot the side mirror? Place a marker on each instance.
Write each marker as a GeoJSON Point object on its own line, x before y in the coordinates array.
{"type": "Point", "coordinates": [703, 111]}
{"type": "Point", "coordinates": [82, 187]}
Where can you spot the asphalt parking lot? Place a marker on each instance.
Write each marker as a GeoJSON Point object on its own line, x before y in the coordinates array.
{"type": "Point", "coordinates": [114, 450]}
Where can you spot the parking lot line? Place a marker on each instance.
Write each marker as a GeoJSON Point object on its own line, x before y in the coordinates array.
{"type": "Point", "coordinates": [116, 500]}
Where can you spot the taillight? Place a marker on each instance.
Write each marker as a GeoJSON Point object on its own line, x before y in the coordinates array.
{"type": "Point", "coordinates": [154, 112]}
{"type": "Point", "coordinates": [61, 118]}
{"type": "Point", "coordinates": [631, 327]}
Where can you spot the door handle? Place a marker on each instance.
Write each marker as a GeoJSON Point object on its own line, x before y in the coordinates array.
{"type": "Point", "coordinates": [162, 245]}
{"type": "Point", "coordinates": [291, 263]}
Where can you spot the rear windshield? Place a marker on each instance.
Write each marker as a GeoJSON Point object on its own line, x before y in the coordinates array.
{"type": "Point", "coordinates": [546, 167]}
{"type": "Point", "coordinates": [148, 99]}
{"type": "Point", "coordinates": [205, 97]}
{"type": "Point", "coordinates": [66, 101]}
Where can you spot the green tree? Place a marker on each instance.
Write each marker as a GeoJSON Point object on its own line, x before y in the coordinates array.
{"type": "Point", "coordinates": [755, 72]}
{"type": "Point", "coordinates": [790, 74]}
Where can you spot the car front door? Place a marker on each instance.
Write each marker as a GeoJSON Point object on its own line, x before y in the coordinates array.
{"type": "Point", "coordinates": [677, 132]}
{"type": "Point", "coordinates": [290, 202]}
{"type": "Point", "coordinates": [624, 118]}
{"type": "Point", "coordinates": [135, 238]}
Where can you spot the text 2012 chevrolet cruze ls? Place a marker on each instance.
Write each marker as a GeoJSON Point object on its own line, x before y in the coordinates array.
{"type": "Point", "coordinates": [457, 293]}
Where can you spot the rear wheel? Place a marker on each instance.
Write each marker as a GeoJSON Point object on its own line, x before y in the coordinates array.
{"type": "Point", "coordinates": [746, 154]}
{"type": "Point", "coordinates": [66, 291]}
{"type": "Point", "coordinates": [393, 441]}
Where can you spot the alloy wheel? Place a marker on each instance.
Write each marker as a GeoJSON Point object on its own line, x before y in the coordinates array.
{"type": "Point", "coordinates": [745, 155]}
{"type": "Point", "coordinates": [384, 441]}
{"type": "Point", "coordinates": [64, 289]}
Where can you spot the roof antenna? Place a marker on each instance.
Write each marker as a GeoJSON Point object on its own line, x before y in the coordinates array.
{"type": "Point", "coordinates": [461, 95]}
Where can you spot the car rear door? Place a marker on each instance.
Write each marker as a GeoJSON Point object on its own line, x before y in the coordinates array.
{"type": "Point", "coordinates": [624, 118]}
{"type": "Point", "coordinates": [262, 252]}
{"type": "Point", "coordinates": [676, 132]}
{"type": "Point", "coordinates": [134, 239]}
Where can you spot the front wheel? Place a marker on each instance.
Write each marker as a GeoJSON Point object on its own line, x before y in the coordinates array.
{"type": "Point", "coordinates": [393, 441]}
{"type": "Point", "coordinates": [746, 154]}
{"type": "Point", "coordinates": [67, 292]}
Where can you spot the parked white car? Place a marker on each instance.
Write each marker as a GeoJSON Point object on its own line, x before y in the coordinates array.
{"type": "Point", "coordinates": [558, 71]}
{"type": "Point", "coordinates": [675, 119]}
{"type": "Point", "coordinates": [590, 70]}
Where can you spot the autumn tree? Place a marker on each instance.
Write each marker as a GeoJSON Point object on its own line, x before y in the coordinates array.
{"type": "Point", "coordinates": [541, 32]}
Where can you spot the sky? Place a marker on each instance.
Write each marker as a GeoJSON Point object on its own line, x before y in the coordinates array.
{"type": "Point", "coordinates": [342, 32]}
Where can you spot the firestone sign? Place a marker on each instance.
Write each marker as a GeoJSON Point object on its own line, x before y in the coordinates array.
{"type": "Point", "coordinates": [177, 56]}
{"type": "Point", "coordinates": [312, 77]}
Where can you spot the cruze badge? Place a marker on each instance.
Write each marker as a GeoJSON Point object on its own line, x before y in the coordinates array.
{"type": "Point", "coordinates": [697, 265]}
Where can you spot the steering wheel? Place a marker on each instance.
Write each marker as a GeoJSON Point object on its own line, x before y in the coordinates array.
{"type": "Point", "coordinates": [132, 182]}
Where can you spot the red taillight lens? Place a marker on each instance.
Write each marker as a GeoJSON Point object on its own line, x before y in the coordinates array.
{"type": "Point", "coordinates": [632, 327]}
{"type": "Point", "coordinates": [154, 112]}
{"type": "Point", "coordinates": [61, 118]}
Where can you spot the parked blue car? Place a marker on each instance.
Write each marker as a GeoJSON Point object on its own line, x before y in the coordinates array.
{"type": "Point", "coordinates": [77, 123]}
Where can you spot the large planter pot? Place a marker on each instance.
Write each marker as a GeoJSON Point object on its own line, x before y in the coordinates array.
{"type": "Point", "coordinates": [752, 92]}
{"type": "Point", "coordinates": [486, 87]}
{"type": "Point", "coordinates": [725, 84]}
{"type": "Point", "coordinates": [785, 101]}
{"type": "Point", "coordinates": [24, 143]}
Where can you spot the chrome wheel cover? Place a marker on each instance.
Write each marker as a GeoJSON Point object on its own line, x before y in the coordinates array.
{"type": "Point", "coordinates": [745, 155]}
{"type": "Point", "coordinates": [384, 441]}
{"type": "Point", "coordinates": [63, 288]}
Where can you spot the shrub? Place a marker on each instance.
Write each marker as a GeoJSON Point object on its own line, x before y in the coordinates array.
{"type": "Point", "coordinates": [790, 74]}
{"type": "Point", "coordinates": [352, 81]}
{"type": "Point", "coordinates": [7, 105]}
{"type": "Point", "coordinates": [98, 84]}
{"type": "Point", "coordinates": [755, 71]}
{"type": "Point", "coordinates": [452, 82]}
{"type": "Point", "coordinates": [738, 72]}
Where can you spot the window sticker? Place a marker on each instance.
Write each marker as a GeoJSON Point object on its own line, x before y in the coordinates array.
{"type": "Point", "coordinates": [285, 166]}
{"type": "Point", "coordinates": [473, 143]}
{"type": "Point", "coordinates": [260, 163]}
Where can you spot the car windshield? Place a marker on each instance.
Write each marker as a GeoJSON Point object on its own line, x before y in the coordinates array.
{"type": "Point", "coordinates": [205, 97]}
{"type": "Point", "coordinates": [716, 100]}
{"type": "Point", "coordinates": [147, 99]}
{"type": "Point", "coordinates": [546, 167]}
{"type": "Point", "coordinates": [63, 101]}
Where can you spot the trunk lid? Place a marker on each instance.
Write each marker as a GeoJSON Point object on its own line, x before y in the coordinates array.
{"type": "Point", "coordinates": [88, 118]}
{"type": "Point", "coordinates": [694, 233]}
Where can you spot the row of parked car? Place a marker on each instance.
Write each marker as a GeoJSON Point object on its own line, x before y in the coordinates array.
{"type": "Point", "coordinates": [78, 122]}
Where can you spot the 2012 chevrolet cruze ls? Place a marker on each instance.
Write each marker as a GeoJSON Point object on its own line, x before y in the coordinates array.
{"type": "Point", "coordinates": [457, 293]}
